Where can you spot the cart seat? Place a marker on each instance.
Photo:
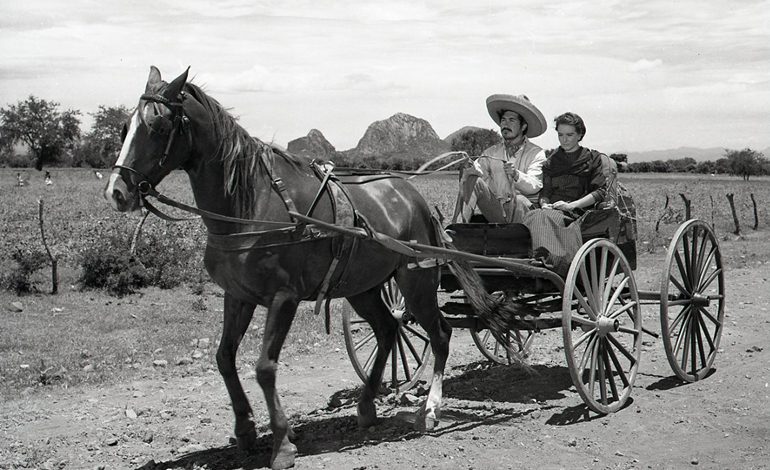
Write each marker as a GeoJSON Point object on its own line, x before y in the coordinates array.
{"type": "Point", "coordinates": [508, 240]}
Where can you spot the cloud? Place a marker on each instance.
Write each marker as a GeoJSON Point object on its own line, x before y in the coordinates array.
{"type": "Point", "coordinates": [642, 65]}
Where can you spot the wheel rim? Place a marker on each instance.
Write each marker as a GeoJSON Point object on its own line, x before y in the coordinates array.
{"type": "Point", "coordinates": [602, 340]}
{"type": "Point", "coordinates": [410, 353]}
{"type": "Point", "coordinates": [692, 301]}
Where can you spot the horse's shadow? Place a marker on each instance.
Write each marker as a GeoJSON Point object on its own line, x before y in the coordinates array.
{"type": "Point", "coordinates": [320, 436]}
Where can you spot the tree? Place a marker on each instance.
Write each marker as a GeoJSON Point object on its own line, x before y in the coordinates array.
{"type": "Point", "coordinates": [101, 145]}
{"type": "Point", "coordinates": [40, 125]}
{"type": "Point", "coordinates": [744, 162]}
{"type": "Point", "coordinates": [475, 141]}
{"type": "Point", "coordinates": [683, 165]}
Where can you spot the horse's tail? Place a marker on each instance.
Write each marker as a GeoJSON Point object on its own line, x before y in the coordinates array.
{"type": "Point", "coordinates": [495, 312]}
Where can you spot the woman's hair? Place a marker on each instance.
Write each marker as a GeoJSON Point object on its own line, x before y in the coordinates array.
{"type": "Point", "coordinates": [573, 120]}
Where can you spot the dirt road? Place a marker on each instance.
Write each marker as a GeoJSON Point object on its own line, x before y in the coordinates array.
{"type": "Point", "coordinates": [494, 416]}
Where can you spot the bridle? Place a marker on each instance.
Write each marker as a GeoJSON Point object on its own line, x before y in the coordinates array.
{"type": "Point", "coordinates": [180, 124]}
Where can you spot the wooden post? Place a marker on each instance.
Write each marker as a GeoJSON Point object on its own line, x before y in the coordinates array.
{"type": "Point", "coordinates": [686, 206]}
{"type": "Point", "coordinates": [657, 224]}
{"type": "Point", "coordinates": [54, 261]}
{"type": "Point", "coordinates": [712, 210]}
{"type": "Point", "coordinates": [735, 214]}
{"type": "Point", "coordinates": [756, 217]}
{"type": "Point", "coordinates": [138, 230]}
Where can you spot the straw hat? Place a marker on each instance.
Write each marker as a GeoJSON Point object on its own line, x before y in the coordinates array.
{"type": "Point", "coordinates": [521, 105]}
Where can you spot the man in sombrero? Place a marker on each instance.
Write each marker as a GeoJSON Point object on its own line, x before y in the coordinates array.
{"type": "Point", "coordinates": [505, 181]}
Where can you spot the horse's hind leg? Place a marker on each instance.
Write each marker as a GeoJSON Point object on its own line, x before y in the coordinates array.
{"type": "Point", "coordinates": [237, 316]}
{"type": "Point", "coordinates": [279, 318]}
{"type": "Point", "coordinates": [419, 290]}
{"type": "Point", "coordinates": [370, 306]}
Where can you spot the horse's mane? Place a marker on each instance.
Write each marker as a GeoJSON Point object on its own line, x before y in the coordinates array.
{"type": "Point", "coordinates": [246, 159]}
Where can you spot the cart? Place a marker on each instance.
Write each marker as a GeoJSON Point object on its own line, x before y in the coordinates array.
{"type": "Point", "coordinates": [597, 305]}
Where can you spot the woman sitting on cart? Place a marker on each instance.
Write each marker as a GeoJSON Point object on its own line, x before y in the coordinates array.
{"type": "Point", "coordinates": [573, 181]}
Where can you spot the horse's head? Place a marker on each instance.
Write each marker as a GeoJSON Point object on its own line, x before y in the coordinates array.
{"type": "Point", "coordinates": [156, 140]}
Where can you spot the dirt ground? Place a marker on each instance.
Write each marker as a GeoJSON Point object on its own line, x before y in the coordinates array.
{"type": "Point", "coordinates": [493, 416]}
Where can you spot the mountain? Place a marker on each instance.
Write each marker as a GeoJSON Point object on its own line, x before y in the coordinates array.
{"type": "Point", "coordinates": [313, 145]}
{"type": "Point", "coordinates": [448, 139]}
{"type": "Point", "coordinates": [698, 154]}
{"type": "Point", "coordinates": [401, 136]}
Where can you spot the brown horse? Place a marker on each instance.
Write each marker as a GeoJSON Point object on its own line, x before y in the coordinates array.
{"type": "Point", "coordinates": [176, 125]}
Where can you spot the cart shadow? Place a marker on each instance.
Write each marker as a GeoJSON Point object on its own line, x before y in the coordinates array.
{"type": "Point", "coordinates": [580, 414]}
{"type": "Point", "coordinates": [667, 383]}
{"type": "Point", "coordinates": [512, 384]}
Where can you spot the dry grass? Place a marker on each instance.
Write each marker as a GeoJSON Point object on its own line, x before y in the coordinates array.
{"type": "Point", "coordinates": [91, 338]}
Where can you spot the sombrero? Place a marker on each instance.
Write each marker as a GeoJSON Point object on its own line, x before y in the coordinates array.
{"type": "Point", "coordinates": [520, 105]}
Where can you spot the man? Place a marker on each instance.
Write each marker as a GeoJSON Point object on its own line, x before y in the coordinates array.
{"type": "Point", "coordinates": [505, 181]}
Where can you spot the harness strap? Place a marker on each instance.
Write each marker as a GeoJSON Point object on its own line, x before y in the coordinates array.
{"type": "Point", "coordinates": [321, 189]}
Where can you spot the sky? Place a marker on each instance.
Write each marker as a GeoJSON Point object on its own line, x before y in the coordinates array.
{"type": "Point", "coordinates": [650, 75]}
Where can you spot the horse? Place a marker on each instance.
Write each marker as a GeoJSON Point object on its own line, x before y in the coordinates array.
{"type": "Point", "coordinates": [239, 178]}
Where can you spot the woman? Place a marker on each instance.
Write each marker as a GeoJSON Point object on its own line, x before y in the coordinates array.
{"type": "Point", "coordinates": [573, 181]}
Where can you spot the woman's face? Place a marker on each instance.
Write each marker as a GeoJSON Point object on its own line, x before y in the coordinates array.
{"type": "Point", "coordinates": [569, 139]}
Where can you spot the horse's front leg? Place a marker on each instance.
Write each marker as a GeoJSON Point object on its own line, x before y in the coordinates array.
{"type": "Point", "coordinates": [237, 316]}
{"type": "Point", "coordinates": [279, 318]}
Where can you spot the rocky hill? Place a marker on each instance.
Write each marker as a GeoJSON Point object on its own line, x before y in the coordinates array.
{"type": "Point", "coordinates": [400, 138]}
{"type": "Point", "coordinates": [313, 145]}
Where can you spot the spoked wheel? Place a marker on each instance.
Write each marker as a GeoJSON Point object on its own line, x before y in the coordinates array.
{"type": "Point", "coordinates": [519, 340]}
{"type": "Point", "coordinates": [692, 301]}
{"type": "Point", "coordinates": [602, 325]}
{"type": "Point", "coordinates": [410, 353]}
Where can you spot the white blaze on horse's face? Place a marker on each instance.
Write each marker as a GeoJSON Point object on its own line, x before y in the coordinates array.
{"type": "Point", "coordinates": [116, 191]}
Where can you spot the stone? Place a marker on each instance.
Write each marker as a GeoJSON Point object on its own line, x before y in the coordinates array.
{"type": "Point", "coordinates": [16, 307]}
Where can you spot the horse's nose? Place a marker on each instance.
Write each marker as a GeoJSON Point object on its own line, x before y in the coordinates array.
{"type": "Point", "coordinates": [116, 193]}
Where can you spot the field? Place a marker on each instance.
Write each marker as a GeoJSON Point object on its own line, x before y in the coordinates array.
{"type": "Point", "coordinates": [88, 357]}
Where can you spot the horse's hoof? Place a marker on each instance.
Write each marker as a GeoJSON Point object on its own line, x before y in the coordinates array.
{"type": "Point", "coordinates": [367, 414]}
{"type": "Point", "coordinates": [426, 421]}
{"type": "Point", "coordinates": [284, 458]}
{"type": "Point", "coordinates": [247, 441]}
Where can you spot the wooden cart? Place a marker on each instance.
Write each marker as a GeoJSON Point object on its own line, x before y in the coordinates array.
{"type": "Point", "coordinates": [597, 305]}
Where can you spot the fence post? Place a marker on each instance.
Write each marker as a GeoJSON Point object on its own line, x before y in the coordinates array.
{"type": "Point", "coordinates": [657, 224]}
{"type": "Point", "coordinates": [735, 215]}
{"type": "Point", "coordinates": [686, 206]}
{"type": "Point", "coordinates": [54, 261]}
{"type": "Point", "coordinates": [756, 217]}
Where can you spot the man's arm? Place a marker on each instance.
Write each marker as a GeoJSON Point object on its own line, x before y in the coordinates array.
{"type": "Point", "coordinates": [530, 182]}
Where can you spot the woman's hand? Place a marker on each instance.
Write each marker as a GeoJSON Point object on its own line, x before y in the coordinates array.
{"type": "Point", "coordinates": [563, 206]}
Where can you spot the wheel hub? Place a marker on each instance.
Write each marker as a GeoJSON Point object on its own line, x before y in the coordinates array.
{"type": "Point", "coordinates": [606, 325]}
{"type": "Point", "coordinates": [700, 300]}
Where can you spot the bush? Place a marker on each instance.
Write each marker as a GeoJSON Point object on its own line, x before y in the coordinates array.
{"type": "Point", "coordinates": [169, 256]}
{"type": "Point", "coordinates": [28, 262]}
{"type": "Point", "coordinates": [111, 267]}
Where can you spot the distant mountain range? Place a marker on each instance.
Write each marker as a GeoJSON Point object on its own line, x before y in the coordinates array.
{"type": "Point", "coordinates": [698, 154]}
{"type": "Point", "coordinates": [410, 138]}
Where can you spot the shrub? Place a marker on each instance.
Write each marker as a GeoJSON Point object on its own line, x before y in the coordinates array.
{"type": "Point", "coordinates": [28, 262]}
{"type": "Point", "coordinates": [110, 266]}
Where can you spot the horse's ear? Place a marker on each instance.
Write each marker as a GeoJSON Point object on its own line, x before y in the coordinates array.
{"type": "Point", "coordinates": [153, 80]}
{"type": "Point", "coordinates": [176, 86]}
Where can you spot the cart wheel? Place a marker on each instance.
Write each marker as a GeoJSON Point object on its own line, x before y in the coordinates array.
{"type": "Point", "coordinates": [602, 336]}
{"type": "Point", "coordinates": [692, 300]}
{"type": "Point", "coordinates": [519, 340]}
{"type": "Point", "coordinates": [411, 350]}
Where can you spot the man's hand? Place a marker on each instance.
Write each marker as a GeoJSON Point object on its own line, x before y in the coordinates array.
{"type": "Point", "coordinates": [511, 171]}
{"type": "Point", "coordinates": [472, 170]}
